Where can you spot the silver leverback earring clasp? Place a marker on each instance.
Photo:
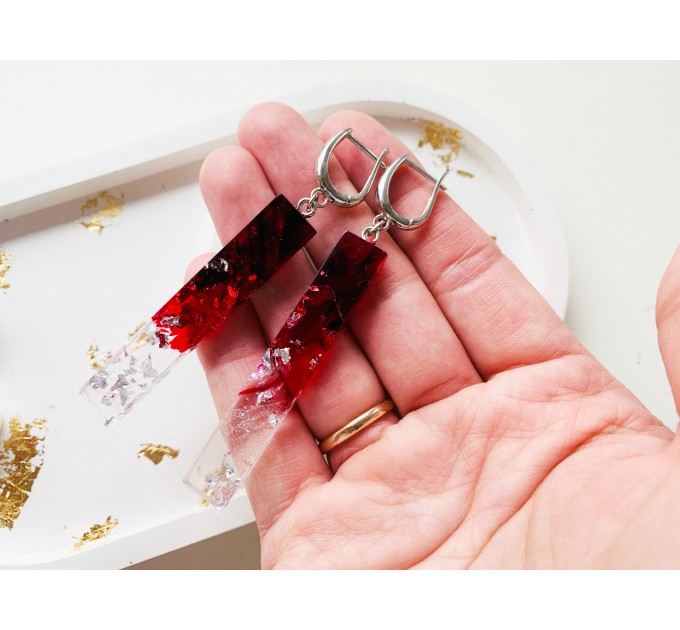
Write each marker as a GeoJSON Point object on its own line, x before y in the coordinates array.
{"type": "Point", "coordinates": [383, 192]}
{"type": "Point", "coordinates": [328, 190]}
{"type": "Point", "coordinates": [389, 215]}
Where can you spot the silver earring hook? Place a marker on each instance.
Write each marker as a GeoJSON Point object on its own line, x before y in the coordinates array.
{"type": "Point", "coordinates": [328, 190]}
{"type": "Point", "coordinates": [383, 192]}
{"type": "Point", "coordinates": [389, 216]}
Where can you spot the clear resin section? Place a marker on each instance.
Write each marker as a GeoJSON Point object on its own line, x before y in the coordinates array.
{"type": "Point", "coordinates": [130, 373]}
{"type": "Point", "coordinates": [286, 367]}
{"type": "Point", "coordinates": [200, 307]}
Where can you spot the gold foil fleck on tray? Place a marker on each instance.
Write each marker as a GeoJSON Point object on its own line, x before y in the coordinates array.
{"type": "Point", "coordinates": [157, 452]}
{"type": "Point", "coordinates": [97, 358]}
{"type": "Point", "coordinates": [21, 459]}
{"type": "Point", "coordinates": [106, 206]}
{"type": "Point", "coordinates": [96, 532]}
{"type": "Point", "coordinates": [4, 268]}
{"type": "Point", "coordinates": [465, 174]}
{"type": "Point", "coordinates": [447, 140]}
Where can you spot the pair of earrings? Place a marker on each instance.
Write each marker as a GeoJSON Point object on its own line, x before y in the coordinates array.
{"type": "Point", "coordinates": [227, 280]}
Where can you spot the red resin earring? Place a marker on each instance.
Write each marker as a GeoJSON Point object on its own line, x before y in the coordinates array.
{"type": "Point", "coordinates": [304, 340]}
{"type": "Point", "coordinates": [205, 301]}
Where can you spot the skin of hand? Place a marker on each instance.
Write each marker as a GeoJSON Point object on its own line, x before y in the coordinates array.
{"type": "Point", "coordinates": [515, 447]}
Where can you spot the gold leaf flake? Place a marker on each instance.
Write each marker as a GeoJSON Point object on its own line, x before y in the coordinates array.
{"type": "Point", "coordinates": [96, 532]}
{"type": "Point", "coordinates": [21, 459]}
{"type": "Point", "coordinates": [156, 452]}
{"type": "Point", "coordinates": [95, 226]}
{"type": "Point", "coordinates": [446, 140]}
{"type": "Point", "coordinates": [106, 206]}
{"type": "Point", "coordinates": [97, 358]}
{"type": "Point", "coordinates": [138, 327]}
{"type": "Point", "coordinates": [90, 204]}
{"type": "Point", "coordinates": [204, 503]}
{"type": "Point", "coordinates": [465, 174]}
{"type": "Point", "coordinates": [142, 340]}
{"type": "Point", "coordinates": [4, 268]}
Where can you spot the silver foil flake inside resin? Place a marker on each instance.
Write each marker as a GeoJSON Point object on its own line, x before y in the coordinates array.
{"type": "Point", "coordinates": [121, 386]}
{"type": "Point", "coordinates": [147, 368]}
{"type": "Point", "coordinates": [223, 493]}
{"type": "Point", "coordinates": [130, 373]}
{"type": "Point", "coordinates": [294, 318]}
{"type": "Point", "coordinates": [100, 379]}
{"type": "Point", "coordinates": [131, 369]}
{"type": "Point", "coordinates": [211, 481]}
{"type": "Point", "coordinates": [221, 484]}
{"type": "Point", "coordinates": [282, 354]}
{"type": "Point", "coordinates": [171, 320]}
{"type": "Point", "coordinates": [264, 368]}
{"type": "Point", "coordinates": [218, 264]}
{"type": "Point", "coordinates": [274, 419]}
{"type": "Point", "coordinates": [264, 397]}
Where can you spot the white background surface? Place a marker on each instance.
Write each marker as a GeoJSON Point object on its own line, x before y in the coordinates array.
{"type": "Point", "coordinates": [604, 136]}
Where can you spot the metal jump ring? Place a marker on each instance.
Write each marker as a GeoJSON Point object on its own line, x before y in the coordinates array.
{"type": "Point", "coordinates": [366, 233]}
{"type": "Point", "coordinates": [379, 225]}
{"type": "Point", "coordinates": [312, 203]}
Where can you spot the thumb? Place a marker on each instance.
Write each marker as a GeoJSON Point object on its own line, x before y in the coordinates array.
{"type": "Point", "coordinates": [668, 324]}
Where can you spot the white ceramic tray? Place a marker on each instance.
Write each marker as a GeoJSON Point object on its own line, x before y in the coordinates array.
{"type": "Point", "coordinates": [72, 288]}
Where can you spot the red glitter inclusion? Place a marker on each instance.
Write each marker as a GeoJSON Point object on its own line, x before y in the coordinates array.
{"type": "Point", "coordinates": [243, 265]}
{"type": "Point", "coordinates": [321, 313]}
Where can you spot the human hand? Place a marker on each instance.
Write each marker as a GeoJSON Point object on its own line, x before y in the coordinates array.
{"type": "Point", "coordinates": [516, 448]}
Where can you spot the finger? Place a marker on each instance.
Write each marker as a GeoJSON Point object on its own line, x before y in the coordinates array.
{"type": "Point", "coordinates": [227, 356]}
{"type": "Point", "coordinates": [668, 324]}
{"type": "Point", "coordinates": [500, 318]}
{"type": "Point", "coordinates": [293, 462]}
{"type": "Point", "coordinates": [347, 385]}
{"type": "Point", "coordinates": [399, 325]}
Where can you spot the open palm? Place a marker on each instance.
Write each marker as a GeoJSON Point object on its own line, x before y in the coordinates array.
{"type": "Point", "coordinates": [515, 447]}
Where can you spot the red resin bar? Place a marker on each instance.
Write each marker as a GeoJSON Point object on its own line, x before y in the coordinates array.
{"type": "Point", "coordinates": [243, 265]}
{"type": "Point", "coordinates": [286, 367]}
{"type": "Point", "coordinates": [322, 311]}
{"type": "Point", "coordinates": [198, 308]}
